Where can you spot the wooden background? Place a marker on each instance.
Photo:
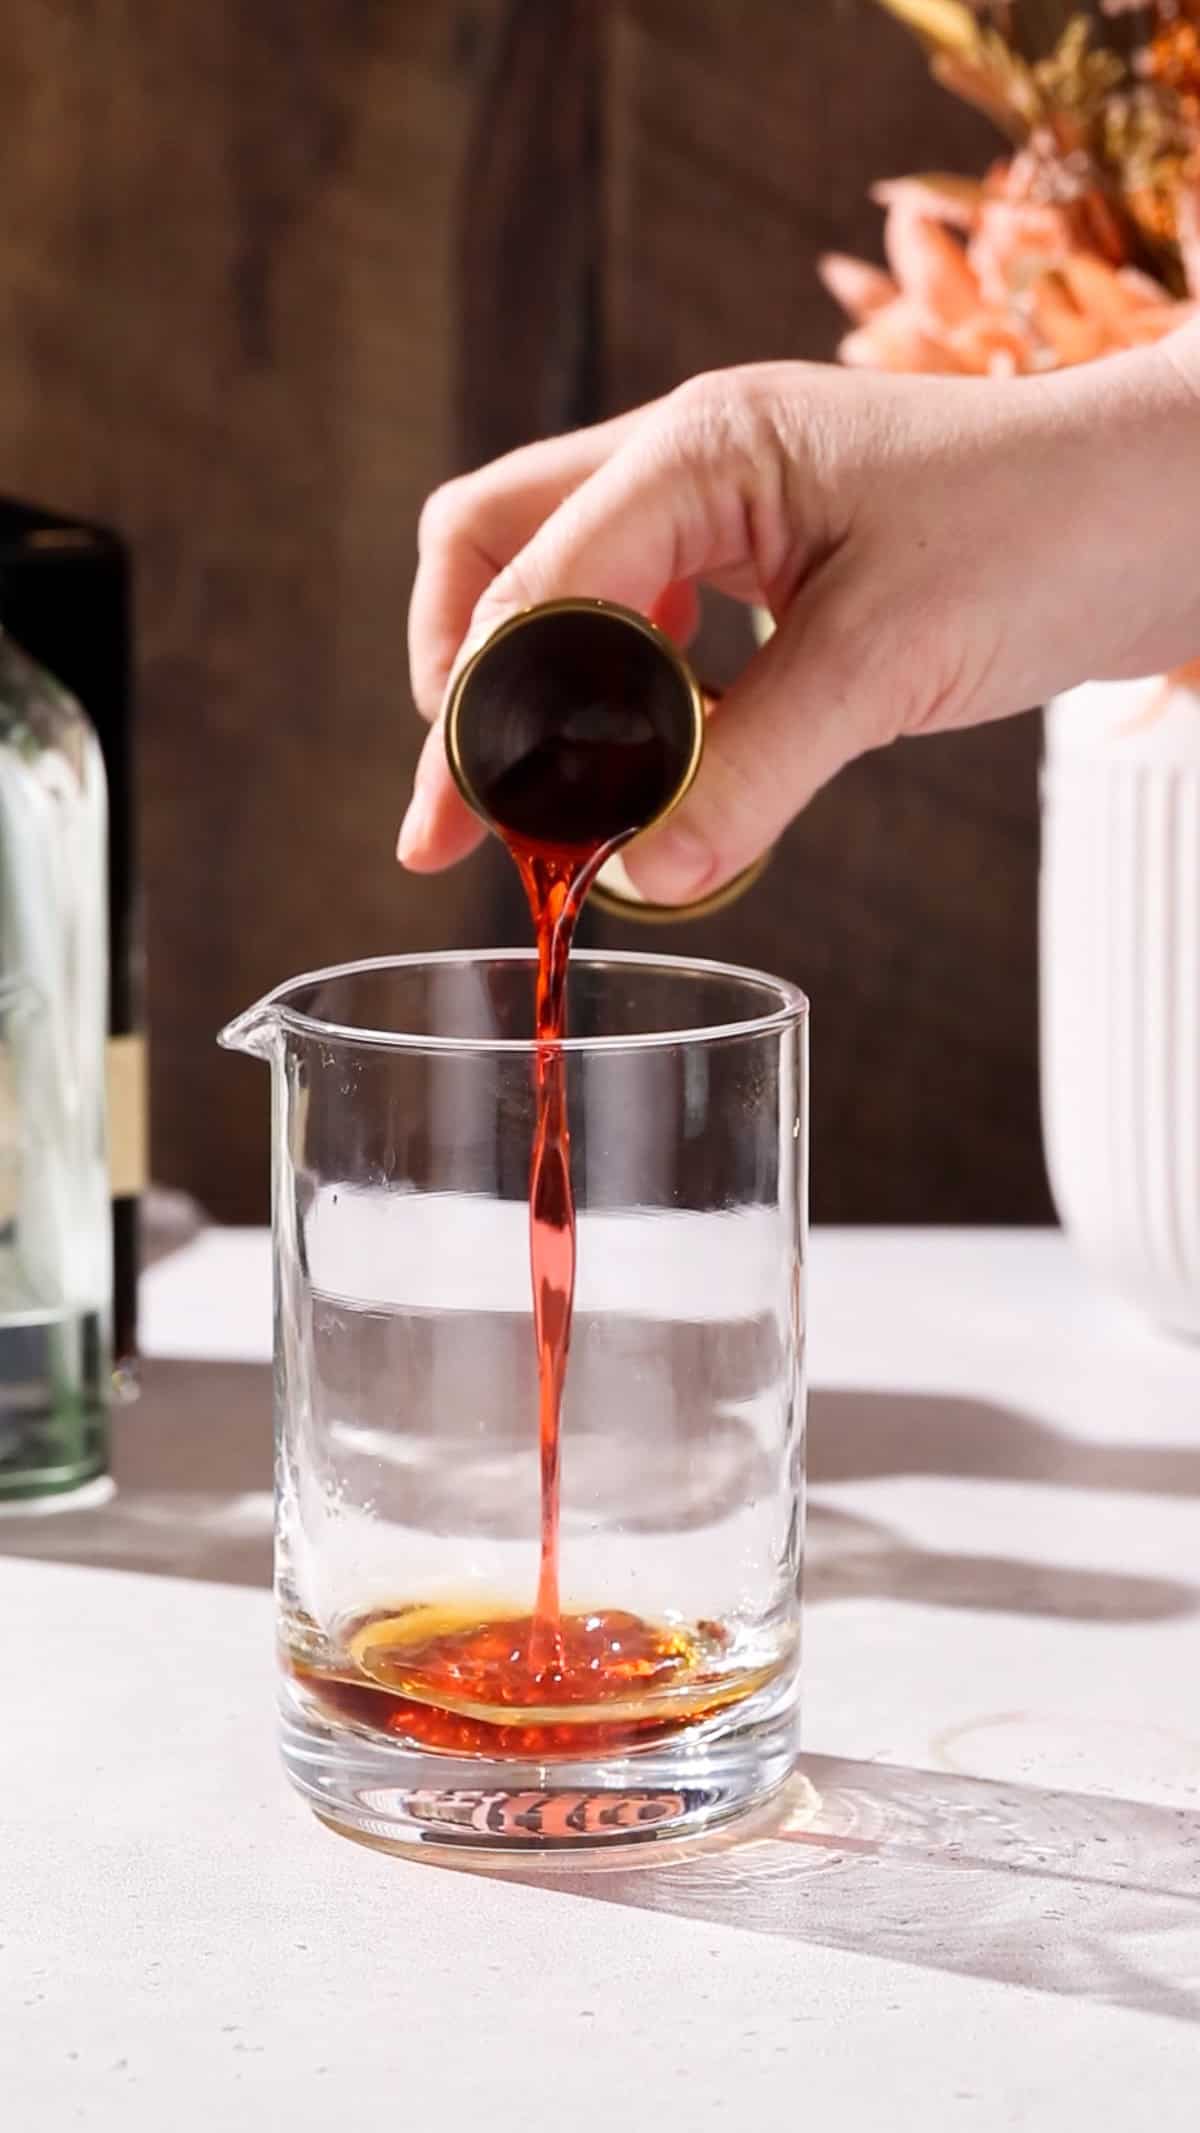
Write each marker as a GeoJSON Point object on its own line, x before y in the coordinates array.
{"type": "Point", "coordinates": [271, 271]}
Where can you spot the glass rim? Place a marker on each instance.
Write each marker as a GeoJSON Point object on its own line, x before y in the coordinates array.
{"type": "Point", "coordinates": [791, 1009]}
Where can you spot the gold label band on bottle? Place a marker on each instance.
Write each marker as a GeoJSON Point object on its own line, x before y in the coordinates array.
{"type": "Point", "coordinates": [125, 1075]}
{"type": "Point", "coordinates": [127, 1116]}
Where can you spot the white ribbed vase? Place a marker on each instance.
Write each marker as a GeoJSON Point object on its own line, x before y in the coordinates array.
{"type": "Point", "coordinates": [1120, 986]}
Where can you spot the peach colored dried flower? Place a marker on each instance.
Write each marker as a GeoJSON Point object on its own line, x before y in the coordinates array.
{"type": "Point", "coordinates": [1012, 274]}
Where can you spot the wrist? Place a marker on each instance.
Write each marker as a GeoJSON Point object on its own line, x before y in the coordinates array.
{"type": "Point", "coordinates": [1116, 510]}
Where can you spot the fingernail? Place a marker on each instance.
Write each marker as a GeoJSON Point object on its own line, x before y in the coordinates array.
{"type": "Point", "coordinates": [477, 635]}
{"type": "Point", "coordinates": [414, 829]}
{"type": "Point", "coordinates": [676, 865]}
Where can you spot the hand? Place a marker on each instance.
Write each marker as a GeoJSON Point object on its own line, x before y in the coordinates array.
{"type": "Point", "coordinates": [935, 552]}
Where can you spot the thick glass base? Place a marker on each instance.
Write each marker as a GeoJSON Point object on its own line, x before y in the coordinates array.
{"type": "Point", "coordinates": [388, 1793]}
{"type": "Point", "coordinates": [73, 1496]}
{"type": "Point", "coordinates": [54, 1384]}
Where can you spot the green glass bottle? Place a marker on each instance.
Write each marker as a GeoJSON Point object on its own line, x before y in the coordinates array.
{"type": "Point", "coordinates": [55, 1224]}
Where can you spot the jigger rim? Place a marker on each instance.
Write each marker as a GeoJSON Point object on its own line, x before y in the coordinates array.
{"type": "Point", "coordinates": [575, 605]}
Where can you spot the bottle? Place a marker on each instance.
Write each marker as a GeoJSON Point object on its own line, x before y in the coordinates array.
{"type": "Point", "coordinates": [65, 600]}
{"type": "Point", "coordinates": [55, 1221]}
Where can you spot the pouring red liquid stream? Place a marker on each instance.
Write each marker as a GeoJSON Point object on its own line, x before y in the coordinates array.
{"type": "Point", "coordinates": [576, 730]}
{"type": "Point", "coordinates": [545, 1683]}
{"type": "Point", "coordinates": [556, 880]}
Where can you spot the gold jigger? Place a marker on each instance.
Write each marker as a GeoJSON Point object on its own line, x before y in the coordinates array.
{"type": "Point", "coordinates": [576, 724]}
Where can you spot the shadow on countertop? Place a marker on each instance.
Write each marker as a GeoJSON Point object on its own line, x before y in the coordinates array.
{"type": "Point", "coordinates": [1086, 1896]}
{"type": "Point", "coordinates": [850, 1557]}
{"type": "Point", "coordinates": [861, 1436]}
{"type": "Point", "coordinates": [193, 1463]}
{"type": "Point", "coordinates": [868, 1436]}
{"type": "Point", "coordinates": [1090, 1897]}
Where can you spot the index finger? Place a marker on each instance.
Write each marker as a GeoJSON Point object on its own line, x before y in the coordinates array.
{"type": "Point", "coordinates": [472, 527]}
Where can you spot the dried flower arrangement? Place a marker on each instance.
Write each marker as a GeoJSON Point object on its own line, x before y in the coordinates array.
{"type": "Point", "coordinates": [1085, 238]}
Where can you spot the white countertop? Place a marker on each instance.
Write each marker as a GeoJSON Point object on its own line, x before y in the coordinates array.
{"type": "Point", "coordinates": [992, 1919]}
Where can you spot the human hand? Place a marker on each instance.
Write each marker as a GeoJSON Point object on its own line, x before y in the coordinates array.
{"type": "Point", "coordinates": [935, 552]}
